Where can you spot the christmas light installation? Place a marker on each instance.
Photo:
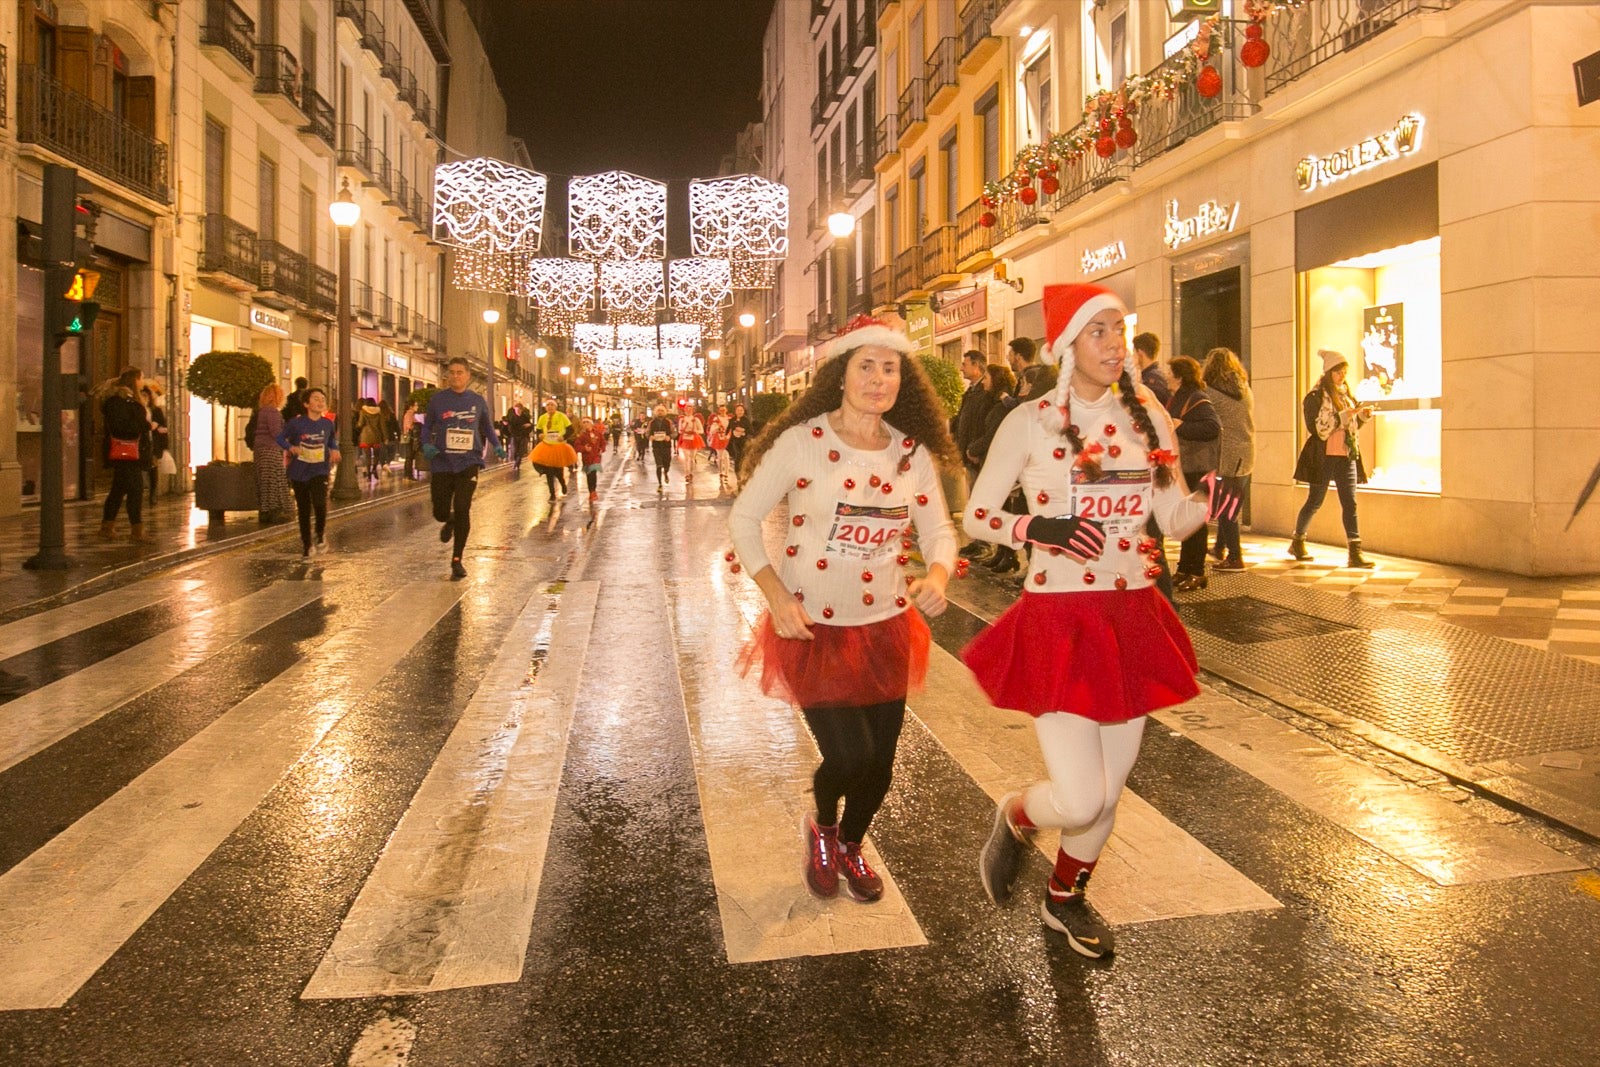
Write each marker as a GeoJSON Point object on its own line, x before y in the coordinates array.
{"type": "Point", "coordinates": [563, 291]}
{"type": "Point", "coordinates": [743, 219]}
{"type": "Point", "coordinates": [617, 216]}
{"type": "Point", "coordinates": [488, 272]}
{"type": "Point", "coordinates": [632, 291]}
{"type": "Point", "coordinates": [488, 206]}
{"type": "Point", "coordinates": [699, 289]}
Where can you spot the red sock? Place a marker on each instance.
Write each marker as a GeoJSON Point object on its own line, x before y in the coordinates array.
{"type": "Point", "coordinates": [1070, 876]}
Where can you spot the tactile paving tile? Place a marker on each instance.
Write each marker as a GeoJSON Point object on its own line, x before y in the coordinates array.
{"type": "Point", "coordinates": [1464, 694]}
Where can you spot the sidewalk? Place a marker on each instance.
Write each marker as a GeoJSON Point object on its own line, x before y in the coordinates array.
{"type": "Point", "coordinates": [177, 532]}
{"type": "Point", "coordinates": [1490, 679]}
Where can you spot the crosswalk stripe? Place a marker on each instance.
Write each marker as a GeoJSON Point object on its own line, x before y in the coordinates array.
{"type": "Point", "coordinates": [37, 720]}
{"type": "Point", "coordinates": [753, 759]}
{"type": "Point", "coordinates": [450, 902]}
{"type": "Point", "coordinates": [1421, 829]}
{"type": "Point", "coordinates": [42, 628]}
{"type": "Point", "coordinates": [1151, 869]}
{"type": "Point", "coordinates": [68, 907]}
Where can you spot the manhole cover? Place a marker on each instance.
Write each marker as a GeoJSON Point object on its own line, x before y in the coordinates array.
{"type": "Point", "coordinates": [1244, 620]}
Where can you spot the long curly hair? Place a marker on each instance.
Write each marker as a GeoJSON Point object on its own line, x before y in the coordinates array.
{"type": "Point", "coordinates": [916, 413]}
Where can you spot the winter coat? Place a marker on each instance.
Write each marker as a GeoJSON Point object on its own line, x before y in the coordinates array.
{"type": "Point", "coordinates": [125, 418]}
{"type": "Point", "coordinates": [1198, 432]}
{"type": "Point", "coordinates": [1236, 414]}
{"type": "Point", "coordinates": [1322, 417]}
{"type": "Point", "coordinates": [971, 418]}
{"type": "Point", "coordinates": [370, 427]}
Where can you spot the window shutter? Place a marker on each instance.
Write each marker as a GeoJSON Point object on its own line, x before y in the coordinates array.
{"type": "Point", "coordinates": [140, 103]}
{"type": "Point", "coordinates": [74, 57]}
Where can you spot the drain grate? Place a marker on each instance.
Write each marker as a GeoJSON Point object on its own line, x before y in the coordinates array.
{"type": "Point", "coordinates": [1244, 620]}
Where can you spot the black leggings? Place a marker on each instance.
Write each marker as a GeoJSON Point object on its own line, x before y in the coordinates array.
{"type": "Point", "coordinates": [663, 454]}
{"type": "Point", "coordinates": [311, 499]}
{"type": "Point", "coordinates": [857, 762]}
{"type": "Point", "coordinates": [127, 481]}
{"type": "Point", "coordinates": [452, 501]}
{"type": "Point", "coordinates": [552, 475]}
{"type": "Point", "coordinates": [593, 477]}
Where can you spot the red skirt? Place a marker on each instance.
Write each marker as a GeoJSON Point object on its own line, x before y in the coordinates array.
{"type": "Point", "coordinates": [842, 666]}
{"type": "Point", "coordinates": [1108, 655]}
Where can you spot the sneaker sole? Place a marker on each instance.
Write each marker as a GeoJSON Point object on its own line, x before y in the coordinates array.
{"type": "Point", "coordinates": [860, 898]}
{"type": "Point", "coordinates": [1082, 948]}
{"type": "Point", "coordinates": [1000, 899]}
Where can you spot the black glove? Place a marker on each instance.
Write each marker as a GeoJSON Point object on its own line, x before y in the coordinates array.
{"type": "Point", "coordinates": [1082, 539]}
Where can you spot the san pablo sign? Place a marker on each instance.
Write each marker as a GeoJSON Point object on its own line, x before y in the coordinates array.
{"type": "Point", "coordinates": [1104, 257]}
{"type": "Point", "coordinates": [1386, 147]}
{"type": "Point", "coordinates": [1208, 220]}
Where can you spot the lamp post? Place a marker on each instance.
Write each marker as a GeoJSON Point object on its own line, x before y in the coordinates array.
{"type": "Point", "coordinates": [746, 320]}
{"type": "Point", "coordinates": [841, 224]}
{"type": "Point", "coordinates": [345, 213]}
{"type": "Point", "coordinates": [538, 375]}
{"type": "Point", "coordinates": [490, 317]}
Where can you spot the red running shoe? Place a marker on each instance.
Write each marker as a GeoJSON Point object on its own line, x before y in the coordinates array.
{"type": "Point", "coordinates": [860, 881]}
{"type": "Point", "coordinates": [822, 869]}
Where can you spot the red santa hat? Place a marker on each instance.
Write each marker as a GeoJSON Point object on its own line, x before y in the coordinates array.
{"type": "Point", "coordinates": [865, 330]}
{"type": "Point", "coordinates": [1067, 310]}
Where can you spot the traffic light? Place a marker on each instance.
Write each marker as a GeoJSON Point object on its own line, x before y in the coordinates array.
{"type": "Point", "coordinates": [79, 308]}
{"type": "Point", "coordinates": [69, 225]}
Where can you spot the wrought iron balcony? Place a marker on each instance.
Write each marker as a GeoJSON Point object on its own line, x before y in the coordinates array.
{"type": "Point", "coordinates": [354, 10]}
{"type": "Point", "coordinates": [73, 126]}
{"type": "Point", "coordinates": [363, 302]}
{"type": "Point", "coordinates": [819, 11]}
{"type": "Point", "coordinates": [1304, 38]}
{"type": "Point", "coordinates": [391, 65]}
{"type": "Point", "coordinates": [323, 295]}
{"type": "Point", "coordinates": [382, 173]}
{"type": "Point", "coordinates": [887, 139]}
{"type": "Point", "coordinates": [230, 249]}
{"type": "Point", "coordinates": [355, 150]}
{"type": "Point", "coordinates": [913, 109]}
{"type": "Point", "coordinates": [423, 109]}
{"type": "Point", "coordinates": [908, 273]}
{"type": "Point", "coordinates": [319, 115]}
{"type": "Point", "coordinates": [939, 254]}
{"type": "Point", "coordinates": [227, 27]}
{"type": "Point", "coordinates": [863, 39]}
{"type": "Point", "coordinates": [941, 73]}
{"type": "Point", "coordinates": [372, 33]}
{"type": "Point", "coordinates": [278, 73]}
{"type": "Point", "coordinates": [977, 18]}
{"type": "Point", "coordinates": [282, 272]}
{"type": "Point", "coordinates": [859, 172]}
{"type": "Point", "coordinates": [383, 313]}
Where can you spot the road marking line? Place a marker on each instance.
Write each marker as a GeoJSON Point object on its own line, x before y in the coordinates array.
{"type": "Point", "coordinates": [386, 1042]}
{"type": "Point", "coordinates": [450, 902]}
{"type": "Point", "coordinates": [37, 720]}
{"type": "Point", "coordinates": [1420, 829]}
{"type": "Point", "coordinates": [1151, 869]}
{"type": "Point", "coordinates": [39, 630]}
{"type": "Point", "coordinates": [753, 759]}
{"type": "Point", "coordinates": [70, 905]}
{"type": "Point", "coordinates": [1588, 883]}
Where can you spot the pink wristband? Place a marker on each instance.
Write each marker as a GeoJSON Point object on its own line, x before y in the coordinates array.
{"type": "Point", "coordinates": [1019, 529]}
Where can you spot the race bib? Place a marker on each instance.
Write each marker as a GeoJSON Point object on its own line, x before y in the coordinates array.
{"type": "Point", "coordinates": [552, 437]}
{"type": "Point", "coordinates": [458, 440]}
{"type": "Point", "coordinates": [309, 454]}
{"type": "Point", "coordinates": [660, 437]}
{"type": "Point", "coordinates": [864, 532]}
{"type": "Point", "coordinates": [1117, 500]}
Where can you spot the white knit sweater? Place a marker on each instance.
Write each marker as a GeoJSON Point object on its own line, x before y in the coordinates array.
{"type": "Point", "coordinates": [1029, 449]}
{"type": "Point", "coordinates": [851, 518]}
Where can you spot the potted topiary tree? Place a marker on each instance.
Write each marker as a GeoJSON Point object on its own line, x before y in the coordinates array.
{"type": "Point", "coordinates": [764, 407]}
{"type": "Point", "coordinates": [234, 380]}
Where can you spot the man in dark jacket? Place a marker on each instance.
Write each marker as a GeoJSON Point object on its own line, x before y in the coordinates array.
{"type": "Point", "coordinates": [295, 405]}
{"type": "Point", "coordinates": [1146, 346]}
{"type": "Point", "coordinates": [519, 427]}
{"type": "Point", "coordinates": [1034, 379]}
{"type": "Point", "coordinates": [968, 426]}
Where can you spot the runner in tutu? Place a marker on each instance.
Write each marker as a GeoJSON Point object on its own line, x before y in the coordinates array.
{"type": "Point", "coordinates": [844, 637]}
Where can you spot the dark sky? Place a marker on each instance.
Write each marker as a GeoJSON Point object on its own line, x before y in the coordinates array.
{"type": "Point", "coordinates": [656, 87]}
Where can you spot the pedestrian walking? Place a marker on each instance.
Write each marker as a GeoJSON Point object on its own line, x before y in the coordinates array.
{"type": "Point", "coordinates": [312, 443]}
{"type": "Point", "coordinates": [456, 430]}
{"type": "Point", "coordinates": [1229, 390]}
{"type": "Point", "coordinates": [370, 435]}
{"type": "Point", "coordinates": [614, 429]}
{"type": "Point", "coordinates": [125, 450]}
{"type": "Point", "coordinates": [662, 434]}
{"type": "Point", "coordinates": [1199, 444]}
{"type": "Point", "coordinates": [1090, 647]}
{"type": "Point", "coordinates": [844, 636]}
{"type": "Point", "coordinates": [519, 428]}
{"type": "Point", "coordinates": [410, 438]}
{"type": "Point", "coordinates": [640, 428]}
{"type": "Point", "coordinates": [738, 439]}
{"type": "Point", "coordinates": [295, 403]}
{"type": "Point", "coordinates": [552, 455]}
{"type": "Point", "coordinates": [272, 484]}
{"type": "Point", "coordinates": [161, 461]}
{"type": "Point", "coordinates": [590, 444]}
{"type": "Point", "coordinates": [1331, 453]}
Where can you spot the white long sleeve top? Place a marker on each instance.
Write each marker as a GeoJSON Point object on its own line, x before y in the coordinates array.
{"type": "Point", "coordinates": [851, 517]}
{"type": "Point", "coordinates": [1029, 449]}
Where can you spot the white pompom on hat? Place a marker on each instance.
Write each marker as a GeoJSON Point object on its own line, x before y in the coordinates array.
{"type": "Point", "coordinates": [864, 330]}
{"type": "Point", "coordinates": [1331, 359]}
{"type": "Point", "coordinates": [1067, 310]}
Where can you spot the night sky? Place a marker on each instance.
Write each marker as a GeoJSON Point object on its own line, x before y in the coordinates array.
{"type": "Point", "coordinates": [656, 87]}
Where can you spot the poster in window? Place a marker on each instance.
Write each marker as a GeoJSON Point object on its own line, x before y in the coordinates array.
{"type": "Point", "coordinates": [1382, 348]}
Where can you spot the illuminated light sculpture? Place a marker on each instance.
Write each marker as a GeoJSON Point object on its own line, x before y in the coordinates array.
{"type": "Point", "coordinates": [743, 219]}
{"type": "Point", "coordinates": [489, 272]}
{"type": "Point", "coordinates": [632, 291]}
{"type": "Point", "coordinates": [699, 289]}
{"type": "Point", "coordinates": [593, 337]}
{"type": "Point", "coordinates": [488, 206]}
{"type": "Point", "coordinates": [617, 216]}
{"type": "Point", "coordinates": [563, 291]}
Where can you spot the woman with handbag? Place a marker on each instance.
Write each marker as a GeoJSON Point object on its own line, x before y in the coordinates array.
{"type": "Point", "coordinates": [1229, 390]}
{"type": "Point", "coordinates": [126, 452]}
{"type": "Point", "coordinates": [1199, 446]}
{"type": "Point", "coordinates": [1330, 453]}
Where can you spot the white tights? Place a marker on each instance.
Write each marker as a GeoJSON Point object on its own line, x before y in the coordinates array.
{"type": "Point", "coordinates": [1088, 763]}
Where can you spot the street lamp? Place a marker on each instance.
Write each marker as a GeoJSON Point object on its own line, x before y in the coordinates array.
{"type": "Point", "coordinates": [747, 319]}
{"type": "Point", "coordinates": [345, 213]}
{"type": "Point", "coordinates": [538, 375]}
{"type": "Point", "coordinates": [490, 317]}
{"type": "Point", "coordinates": [841, 224]}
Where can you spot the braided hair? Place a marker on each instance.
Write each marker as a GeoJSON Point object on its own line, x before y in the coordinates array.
{"type": "Point", "coordinates": [1128, 395]}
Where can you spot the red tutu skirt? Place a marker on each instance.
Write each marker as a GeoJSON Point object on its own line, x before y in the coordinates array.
{"type": "Point", "coordinates": [1108, 655]}
{"type": "Point", "coordinates": [843, 666]}
{"type": "Point", "coordinates": [691, 442]}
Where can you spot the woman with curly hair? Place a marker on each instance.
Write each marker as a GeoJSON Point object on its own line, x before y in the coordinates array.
{"type": "Point", "coordinates": [843, 636]}
{"type": "Point", "coordinates": [1090, 647]}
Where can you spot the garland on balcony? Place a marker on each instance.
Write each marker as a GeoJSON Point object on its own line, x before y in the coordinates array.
{"type": "Point", "coordinates": [1107, 125]}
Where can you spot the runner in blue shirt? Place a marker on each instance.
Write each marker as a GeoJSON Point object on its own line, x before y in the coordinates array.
{"type": "Point", "coordinates": [313, 445]}
{"type": "Point", "coordinates": [457, 427]}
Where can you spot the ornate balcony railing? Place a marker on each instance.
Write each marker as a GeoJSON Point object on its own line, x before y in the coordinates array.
{"type": "Point", "coordinates": [5, 90]}
{"type": "Point", "coordinates": [230, 248]}
{"type": "Point", "coordinates": [323, 295]}
{"type": "Point", "coordinates": [859, 172]}
{"type": "Point", "coordinates": [319, 115]}
{"type": "Point", "coordinates": [863, 39]}
{"type": "Point", "coordinates": [976, 20]}
{"type": "Point", "coordinates": [75, 127]}
{"type": "Point", "coordinates": [939, 253]}
{"type": "Point", "coordinates": [372, 33]}
{"type": "Point", "coordinates": [972, 237]}
{"type": "Point", "coordinates": [941, 67]}
{"type": "Point", "coordinates": [363, 302]}
{"type": "Point", "coordinates": [887, 137]}
{"type": "Point", "coordinates": [354, 10]}
{"type": "Point", "coordinates": [391, 66]}
{"type": "Point", "coordinates": [354, 150]}
{"type": "Point", "coordinates": [913, 106]}
{"type": "Point", "coordinates": [278, 72]}
{"type": "Point", "coordinates": [283, 271]}
{"type": "Point", "coordinates": [908, 274]}
{"type": "Point", "coordinates": [229, 28]}
{"type": "Point", "coordinates": [1303, 38]}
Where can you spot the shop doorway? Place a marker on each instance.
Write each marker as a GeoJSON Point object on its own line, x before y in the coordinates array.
{"type": "Point", "coordinates": [1209, 315]}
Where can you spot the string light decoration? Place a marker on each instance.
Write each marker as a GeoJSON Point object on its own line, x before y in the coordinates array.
{"type": "Point", "coordinates": [632, 291]}
{"type": "Point", "coordinates": [488, 272]}
{"type": "Point", "coordinates": [617, 216]}
{"type": "Point", "coordinates": [488, 206]}
{"type": "Point", "coordinates": [700, 288]}
{"type": "Point", "coordinates": [593, 337]}
{"type": "Point", "coordinates": [743, 219]}
{"type": "Point", "coordinates": [563, 291]}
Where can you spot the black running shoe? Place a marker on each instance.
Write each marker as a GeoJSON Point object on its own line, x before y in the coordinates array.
{"type": "Point", "coordinates": [457, 571]}
{"type": "Point", "coordinates": [1071, 916]}
{"type": "Point", "coordinates": [447, 531]}
{"type": "Point", "coordinates": [1002, 854]}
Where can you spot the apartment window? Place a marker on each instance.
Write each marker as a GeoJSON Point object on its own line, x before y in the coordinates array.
{"type": "Point", "coordinates": [1105, 36]}
{"type": "Point", "coordinates": [891, 81]}
{"type": "Point", "coordinates": [1037, 102]}
{"type": "Point", "coordinates": [822, 176]}
{"type": "Point", "coordinates": [308, 54]}
{"type": "Point", "coordinates": [919, 198]}
{"type": "Point", "coordinates": [891, 227]}
{"type": "Point", "coordinates": [216, 167]}
{"type": "Point", "coordinates": [267, 193]}
{"type": "Point", "coordinates": [916, 49]}
{"type": "Point", "coordinates": [950, 163]}
{"type": "Point", "coordinates": [838, 162]}
{"type": "Point", "coordinates": [308, 224]}
{"type": "Point", "coordinates": [987, 111]}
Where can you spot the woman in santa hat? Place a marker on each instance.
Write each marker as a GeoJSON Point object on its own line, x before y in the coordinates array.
{"type": "Point", "coordinates": [1090, 647]}
{"type": "Point", "coordinates": [844, 636]}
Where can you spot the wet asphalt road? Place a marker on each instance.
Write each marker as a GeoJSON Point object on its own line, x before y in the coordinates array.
{"type": "Point", "coordinates": [1367, 962]}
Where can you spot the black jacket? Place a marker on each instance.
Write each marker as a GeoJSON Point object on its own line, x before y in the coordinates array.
{"type": "Point", "coordinates": [125, 418]}
{"type": "Point", "coordinates": [973, 415]}
{"type": "Point", "coordinates": [1199, 430]}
